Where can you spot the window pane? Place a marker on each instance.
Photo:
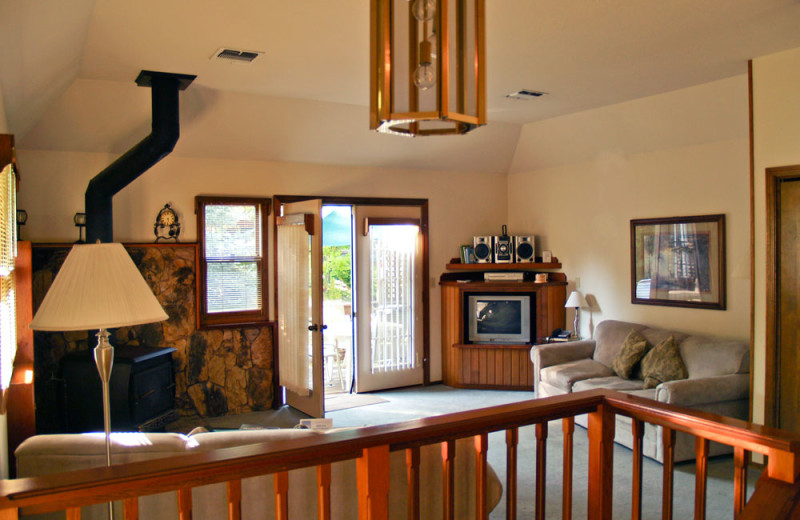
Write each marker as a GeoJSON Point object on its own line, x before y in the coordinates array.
{"type": "Point", "coordinates": [232, 230]}
{"type": "Point", "coordinates": [233, 287]}
{"type": "Point", "coordinates": [392, 253]}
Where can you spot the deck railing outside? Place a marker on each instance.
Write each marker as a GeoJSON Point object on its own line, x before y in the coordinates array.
{"type": "Point", "coordinates": [775, 497]}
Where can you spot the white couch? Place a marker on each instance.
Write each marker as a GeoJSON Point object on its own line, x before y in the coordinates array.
{"type": "Point", "coordinates": [718, 382]}
{"type": "Point", "coordinates": [45, 454]}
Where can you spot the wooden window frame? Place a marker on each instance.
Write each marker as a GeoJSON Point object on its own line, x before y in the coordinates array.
{"type": "Point", "coordinates": [240, 318]}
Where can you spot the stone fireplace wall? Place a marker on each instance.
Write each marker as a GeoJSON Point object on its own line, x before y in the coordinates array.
{"type": "Point", "coordinates": [218, 372]}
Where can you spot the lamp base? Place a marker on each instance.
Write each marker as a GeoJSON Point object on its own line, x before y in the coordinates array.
{"type": "Point", "coordinates": [104, 359]}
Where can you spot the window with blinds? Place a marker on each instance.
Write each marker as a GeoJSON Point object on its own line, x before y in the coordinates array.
{"type": "Point", "coordinates": [8, 253]}
{"type": "Point", "coordinates": [232, 275]}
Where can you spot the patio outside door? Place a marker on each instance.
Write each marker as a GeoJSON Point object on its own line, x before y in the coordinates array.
{"type": "Point", "coordinates": [299, 302]}
{"type": "Point", "coordinates": [388, 297]}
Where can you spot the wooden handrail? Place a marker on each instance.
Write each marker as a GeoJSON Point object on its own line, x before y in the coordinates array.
{"type": "Point", "coordinates": [370, 447]}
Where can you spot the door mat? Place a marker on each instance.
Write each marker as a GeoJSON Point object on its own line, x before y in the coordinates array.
{"type": "Point", "coordinates": [344, 401]}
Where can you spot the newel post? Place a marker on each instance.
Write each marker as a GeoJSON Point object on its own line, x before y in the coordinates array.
{"type": "Point", "coordinates": [372, 476]}
{"type": "Point", "coordinates": [601, 462]}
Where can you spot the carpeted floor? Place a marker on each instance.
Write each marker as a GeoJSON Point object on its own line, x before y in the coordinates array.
{"type": "Point", "coordinates": [413, 403]}
{"type": "Point", "coordinates": [344, 401]}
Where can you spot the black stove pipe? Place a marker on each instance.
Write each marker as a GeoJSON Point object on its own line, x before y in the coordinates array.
{"type": "Point", "coordinates": [137, 160]}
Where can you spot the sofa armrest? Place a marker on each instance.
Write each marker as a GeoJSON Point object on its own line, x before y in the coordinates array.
{"type": "Point", "coordinates": [704, 390]}
{"type": "Point", "coordinates": [550, 354]}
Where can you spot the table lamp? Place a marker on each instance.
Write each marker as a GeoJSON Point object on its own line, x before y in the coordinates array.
{"type": "Point", "coordinates": [98, 288]}
{"type": "Point", "coordinates": [576, 301]}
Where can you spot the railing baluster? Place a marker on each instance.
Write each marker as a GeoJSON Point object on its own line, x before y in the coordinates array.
{"type": "Point", "coordinates": [412, 463]}
{"type": "Point", "coordinates": [130, 507]}
{"type": "Point", "coordinates": [324, 492]}
{"type": "Point", "coordinates": [73, 513]}
{"type": "Point", "coordinates": [234, 499]}
{"type": "Point", "coordinates": [601, 463]}
{"type": "Point", "coordinates": [637, 428]}
{"type": "Point", "coordinates": [741, 458]}
{"type": "Point", "coordinates": [185, 504]}
{"type": "Point", "coordinates": [449, 482]}
{"type": "Point", "coordinates": [512, 439]}
{"type": "Point", "coordinates": [568, 426]}
{"type": "Point", "coordinates": [481, 475]}
{"type": "Point", "coordinates": [281, 481]}
{"type": "Point", "coordinates": [700, 477]}
{"type": "Point", "coordinates": [669, 473]}
{"type": "Point", "coordinates": [372, 475]}
{"type": "Point", "coordinates": [541, 469]}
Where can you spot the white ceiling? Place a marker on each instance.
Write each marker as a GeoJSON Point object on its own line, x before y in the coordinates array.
{"type": "Point", "coordinates": [67, 68]}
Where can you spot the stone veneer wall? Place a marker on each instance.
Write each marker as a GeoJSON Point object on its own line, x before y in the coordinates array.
{"type": "Point", "coordinates": [218, 372]}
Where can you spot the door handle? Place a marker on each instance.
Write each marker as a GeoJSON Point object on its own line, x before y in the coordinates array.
{"type": "Point", "coordinates": [314, 327]}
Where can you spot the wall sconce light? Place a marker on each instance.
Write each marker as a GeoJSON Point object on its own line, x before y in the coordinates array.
{"type": "Point", "coordinates": [80, 222]}
{"type": "Point", "coordinates": [427, 66]}
{"type": "Point", "coordinates": [22, 218]}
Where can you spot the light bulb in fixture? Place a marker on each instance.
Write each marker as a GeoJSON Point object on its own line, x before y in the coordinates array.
{"type": "Point", "coordinates": [425, 75]}
{"type": "Point", "coordinates": [423, 9]}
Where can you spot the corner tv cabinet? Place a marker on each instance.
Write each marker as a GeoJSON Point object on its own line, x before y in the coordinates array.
{"type": "Point", "coordinates": [495, 365]}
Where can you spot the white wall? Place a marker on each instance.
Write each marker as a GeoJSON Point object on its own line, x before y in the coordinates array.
{"type": "Point", "coordinates": [54, 184]}
{"type": "Point", "coordinates": [577, 181]}
{"type": "Point", "coordinates": [3, 121]}
{"type": "Point", "coordinates": [776, 130]}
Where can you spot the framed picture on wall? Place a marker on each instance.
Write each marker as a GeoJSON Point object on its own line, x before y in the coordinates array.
{"type": "Point", "coordinates": [679, 261]}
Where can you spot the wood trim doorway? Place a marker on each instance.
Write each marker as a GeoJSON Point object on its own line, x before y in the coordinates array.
{"type": "Point", "coordinates": [278, 200]}
{"type": "Point", "coordinates": [775, 177]}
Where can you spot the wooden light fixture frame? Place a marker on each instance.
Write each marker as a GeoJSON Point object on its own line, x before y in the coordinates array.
{"type": "Point", "coordinates": [384, 58]}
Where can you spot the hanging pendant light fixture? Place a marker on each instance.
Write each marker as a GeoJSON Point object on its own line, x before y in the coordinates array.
{"type": "Point", "coordinates": [428, 66]}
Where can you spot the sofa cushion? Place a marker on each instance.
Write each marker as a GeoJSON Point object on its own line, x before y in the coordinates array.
{"type": "Point", "coordinates": [565, 375]}
{"type": "Point", "coordinates": [663, 363]}
{"type": "Point", "coordinates": [649, 393]}
{"type": "Point", "coordinates": [654, 335]}
{"type": "Point", "coordinates": [608, 383]}
{"type": "Point", "coordinates": [609, 336]}
{"type": "Point", "coordinates": [633, 350]}
{"type": "Point", "coordinates": [707, 356]}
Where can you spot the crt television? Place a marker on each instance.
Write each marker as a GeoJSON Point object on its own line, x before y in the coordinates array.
{"type": "Point", "coordinates": [499, 318]}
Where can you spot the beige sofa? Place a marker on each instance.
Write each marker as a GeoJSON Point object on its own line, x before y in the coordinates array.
{"type": "Point", "coordinates": [718, 381]}
{"type": "Point", "coordinates": [45, 454]}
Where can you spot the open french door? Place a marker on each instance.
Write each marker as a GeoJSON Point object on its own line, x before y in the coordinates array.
{"type": "Point", "coordinates": [389, 310]}
{"type": "Point", "coordinates": [299, 284]}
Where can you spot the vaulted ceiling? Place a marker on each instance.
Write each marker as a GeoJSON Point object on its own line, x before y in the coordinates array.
{"type": "Point", "coordinates": [67, 71]}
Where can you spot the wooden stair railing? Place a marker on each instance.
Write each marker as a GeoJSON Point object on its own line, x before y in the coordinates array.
{"type": "Point", "coordinates": [776, 497]}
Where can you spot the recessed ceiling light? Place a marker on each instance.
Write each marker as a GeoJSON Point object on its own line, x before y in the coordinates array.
{"type": "Point", "coordinates": [526, 94]}
{"type": "Point", "coordinates": [238, 55]}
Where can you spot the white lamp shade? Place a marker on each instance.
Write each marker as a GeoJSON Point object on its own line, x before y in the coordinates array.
{"type": "Point", "coordinates": [98, 287]}
{"type": "Point", "coordinates": [576, 300]}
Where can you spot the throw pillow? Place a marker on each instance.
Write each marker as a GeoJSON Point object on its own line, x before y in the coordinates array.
{"type": "Point", "coordinates": [663, 363]}
{"type": "Point", "coordinates": [632, 351]}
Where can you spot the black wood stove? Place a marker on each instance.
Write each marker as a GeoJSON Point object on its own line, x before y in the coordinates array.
{"type": "Point", "coordinates": [142, 390]}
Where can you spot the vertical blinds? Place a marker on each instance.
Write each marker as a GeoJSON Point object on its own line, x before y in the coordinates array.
{"type": "Point", "coordinates": [294, 312]}
{"type": "Point", "coordinates": [8, 252]}
{"type": "Point", "coordinates": [8, 227]}
{"type": "Point", "coordinates": [232, 253]}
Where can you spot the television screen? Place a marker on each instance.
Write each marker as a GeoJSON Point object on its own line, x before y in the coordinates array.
{"type": "Point", "coordinates": [503, 316]}
{"type": "Point", "coordinates": [498, 318]}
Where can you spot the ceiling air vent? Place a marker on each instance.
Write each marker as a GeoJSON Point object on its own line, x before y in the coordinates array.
{"type": "Point", "coordinates": [525, 94]}
{"type": "Point", "coordinates": [236, 55]}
